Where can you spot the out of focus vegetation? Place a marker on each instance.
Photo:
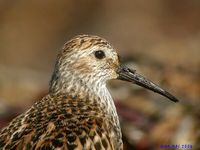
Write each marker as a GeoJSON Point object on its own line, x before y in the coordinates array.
{"type": "Point", "coordinates": [161, 39]}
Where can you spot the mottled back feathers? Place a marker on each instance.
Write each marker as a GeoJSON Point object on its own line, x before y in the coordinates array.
{"type": "Point", "coordinates": [62, 122]}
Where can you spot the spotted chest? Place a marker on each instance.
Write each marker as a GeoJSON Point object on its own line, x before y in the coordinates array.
{"type": "Point", "coordinates": [61, 122]}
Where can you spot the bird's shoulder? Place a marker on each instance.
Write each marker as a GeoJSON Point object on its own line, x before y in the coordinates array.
{"type": "Point", "coordinates": [58, 121]}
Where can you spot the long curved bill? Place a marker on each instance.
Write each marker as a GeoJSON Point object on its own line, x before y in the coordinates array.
{"type": "Point", "coordinates": [129, 75]}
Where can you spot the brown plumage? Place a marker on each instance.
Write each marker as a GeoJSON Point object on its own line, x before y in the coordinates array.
{"type": "Point", "coordinates": [78, 112]}
{"type": "Point", "coordinates": [59, 121]}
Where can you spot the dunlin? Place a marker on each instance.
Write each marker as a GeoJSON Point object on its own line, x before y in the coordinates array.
{"type": "Point", "coordinates": [78, 113]}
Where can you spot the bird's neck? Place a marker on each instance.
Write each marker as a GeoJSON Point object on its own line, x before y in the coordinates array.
{"type": "Point", "coordinates": [92, 91]}
{"type": "Point", "coordinates": [77, 86]}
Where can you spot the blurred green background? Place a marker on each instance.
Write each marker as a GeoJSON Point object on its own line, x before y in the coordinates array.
{"type": "Point", "coordinates": [161, 39]}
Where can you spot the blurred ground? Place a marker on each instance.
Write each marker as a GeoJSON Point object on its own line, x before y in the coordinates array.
{"type": "Point", "coordinates": [161, 39]}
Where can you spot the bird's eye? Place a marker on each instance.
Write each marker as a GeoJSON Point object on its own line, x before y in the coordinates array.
{"type": "Point", "coordinates": [99, 54]}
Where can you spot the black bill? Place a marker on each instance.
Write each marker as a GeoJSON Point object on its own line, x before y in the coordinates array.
{"type": "Point", "coordinates": [129, 75]}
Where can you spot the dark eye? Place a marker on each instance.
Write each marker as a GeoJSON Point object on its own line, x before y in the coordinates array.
{"type": "Point", "coordinates": [99, 54]}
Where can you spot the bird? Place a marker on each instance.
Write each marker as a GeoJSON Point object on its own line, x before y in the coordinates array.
{"type": "Point", "coordinates": [78, 112]}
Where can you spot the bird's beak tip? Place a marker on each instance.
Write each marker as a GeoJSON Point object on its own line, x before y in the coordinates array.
{"type": "Point", "coordinates": [130, 75]}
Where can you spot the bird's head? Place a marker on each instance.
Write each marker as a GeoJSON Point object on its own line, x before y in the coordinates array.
{"type": "Point", "coordinates": [89, 56]}
{"type": "Point", "coordinates": [92, 60]}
